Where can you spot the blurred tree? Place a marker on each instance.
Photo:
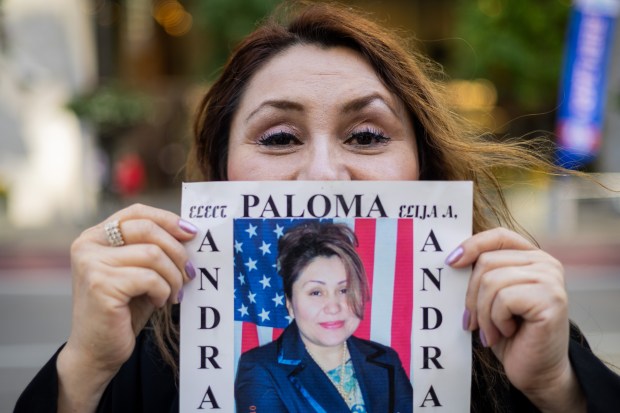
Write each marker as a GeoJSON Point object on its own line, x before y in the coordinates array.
{"type": "Point", "coordinates": [112, 107]}
{"type": "Point", "coordinates": [518, 45]}
{"type": "Point", "coordinates": [226, 22]}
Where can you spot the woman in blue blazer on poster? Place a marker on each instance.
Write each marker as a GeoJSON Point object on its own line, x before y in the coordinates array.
{"type": "Point", "coordinates": [317, 365]}
{"type": "Point", "coordinates": [283, 377]}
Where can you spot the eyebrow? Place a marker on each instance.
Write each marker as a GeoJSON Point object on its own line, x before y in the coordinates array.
{"type": "Point", "coordinates": [360, 103]}
{"type": "Point", "coordinates": [277, 104]}
{"type": "Point", "coordinates": [354, 105]}
{"type": "Point", "coordinates": [323, 283]}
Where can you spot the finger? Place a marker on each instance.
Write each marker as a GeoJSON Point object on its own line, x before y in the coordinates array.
{"type": "Point", "coordinates": [490, 262]}
{"type": "Point", "coordinates": [148, 232]}
{"type": "Point", "coordinates": [124, 284]}
{"type": "Point", "coordinates": [135, 282]}
{"type": "Point", "coordinates": [479, 300]}
{"type": "Point", "coordinates": [492, 284]}
{"type": "Point", "coordinates": [502, 315]}
{"type": "Point", "coordinates": [532, 304]}
{"type": "Point", "coordinates": [487, 262]}
{"type": "Point", "coordinates": [149, 256]}
{"type": "Point", "coordinates": [169, 221]}
{"type": "Point", "coordinates": [492, 240]}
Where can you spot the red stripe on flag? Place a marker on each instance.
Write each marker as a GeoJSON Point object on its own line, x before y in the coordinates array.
{"type": "Point", "coordinates": [403, 293]}
{"type": "Point", "coordinates": [365, 230]}
{"type": "Point", "coordinates": [249, 336]}
{"type": "Point", "coordinates": [276, 333]}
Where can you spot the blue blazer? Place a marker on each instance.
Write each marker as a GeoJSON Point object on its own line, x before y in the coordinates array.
{"type": "Point", "coordinates": [281, 377]}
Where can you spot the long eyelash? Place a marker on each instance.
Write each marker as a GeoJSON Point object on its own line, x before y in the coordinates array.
{"type": "Point", "coordinates": [378, 135]}
{"type": "Point", "coordinates": [372, 130]}
{"type": "Point", "coordinates": [268, 139]}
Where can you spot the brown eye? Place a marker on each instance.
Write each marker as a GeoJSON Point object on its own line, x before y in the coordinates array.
{"type": "Point", "coordinates": [279, 139]}
{"type": "Point", "coordinates": [367, 138]}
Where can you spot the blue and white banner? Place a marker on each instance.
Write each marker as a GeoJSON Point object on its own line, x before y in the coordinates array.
{"type": "Point", "coordinates": [584, 83]}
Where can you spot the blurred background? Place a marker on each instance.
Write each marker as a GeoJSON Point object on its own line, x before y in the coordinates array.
{"type": "Point", "coordinates": [96, 105]}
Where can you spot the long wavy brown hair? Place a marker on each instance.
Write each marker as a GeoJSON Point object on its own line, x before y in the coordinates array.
{"type": "Point", "coordinates": [449, 149]}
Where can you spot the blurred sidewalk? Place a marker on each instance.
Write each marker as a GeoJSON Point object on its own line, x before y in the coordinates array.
{"type": "Point", "coordinates": [48, 247]}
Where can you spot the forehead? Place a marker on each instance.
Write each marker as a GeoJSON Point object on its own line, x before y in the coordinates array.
{"type": "Point", "coordinates": [323, 268]}
{"type": "Point", "coordinates": [309, 72]}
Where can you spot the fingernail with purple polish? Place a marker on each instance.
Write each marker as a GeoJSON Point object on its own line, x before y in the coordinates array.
{"type": "Point", "coordinates": [187, 227]}
{"type": "Point", "coordinates": [189, 270]}
{"type": "Point", "coordinates": [454, 256]}
{"type": "Point", "coordinates": [466, 317]}
{"type": "Point", "coordinates": [180, 296]}
{"type": "Point", "coordinates": [483, 339]}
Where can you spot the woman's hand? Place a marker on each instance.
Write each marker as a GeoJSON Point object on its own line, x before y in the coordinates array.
{"type": "Point", "coordinates": [115, 291]}
{"type": "Point", "coordinates": [517, 299]}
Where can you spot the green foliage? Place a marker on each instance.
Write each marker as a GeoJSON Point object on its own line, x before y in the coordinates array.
{"type": "Point", "coordinates": [227, 22]}
{"type": "Point", "coordinates": [518, 45]}
{"type": "Point", "coordinates": [112, 107]}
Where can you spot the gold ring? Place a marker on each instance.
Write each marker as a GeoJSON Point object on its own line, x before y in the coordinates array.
{"type": "Point", "coordinates": [113, 233]}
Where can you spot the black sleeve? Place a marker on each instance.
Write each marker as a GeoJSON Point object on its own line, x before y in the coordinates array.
{"type": "Point", "coordinates": [143, 384]}
{"type": "Point", "coordinates": [600, 385]}
{"type": "Point", "coordinates": [41, 395]}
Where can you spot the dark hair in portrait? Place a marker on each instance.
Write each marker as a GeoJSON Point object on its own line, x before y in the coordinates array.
{"type": "Point", "coordinates": [302, 244]}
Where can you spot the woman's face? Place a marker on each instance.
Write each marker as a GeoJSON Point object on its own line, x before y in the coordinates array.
{"type": "Point", "coordinates": [314, 113]}
{"type": "Point", "coordinates": [319, 304]}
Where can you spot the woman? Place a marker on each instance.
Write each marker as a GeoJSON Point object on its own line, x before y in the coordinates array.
{"type": "Point", "coordinates": [316, 365]}
{"type": "Point", "coordinates": [328, 95]}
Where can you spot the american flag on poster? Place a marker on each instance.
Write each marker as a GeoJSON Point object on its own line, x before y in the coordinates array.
{"type": "Point", "coordinates": [386, 249]}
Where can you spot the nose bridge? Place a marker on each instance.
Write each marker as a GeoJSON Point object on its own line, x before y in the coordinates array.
{"type": "Point", "coordinates": [323, 160]}
{"type": "Point", "coordinates": [333, 303]}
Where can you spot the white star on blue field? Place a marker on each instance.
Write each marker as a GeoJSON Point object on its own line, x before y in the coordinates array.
{"type": "Point", "coordinates": [259, 295]}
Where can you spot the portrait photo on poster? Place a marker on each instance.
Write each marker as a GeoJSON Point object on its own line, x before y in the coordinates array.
{"type": "Point", "coordinates": [306, 287]}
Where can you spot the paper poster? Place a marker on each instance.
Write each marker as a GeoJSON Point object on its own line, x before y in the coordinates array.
{"type": "Point", "coordinates": [237, 302]}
